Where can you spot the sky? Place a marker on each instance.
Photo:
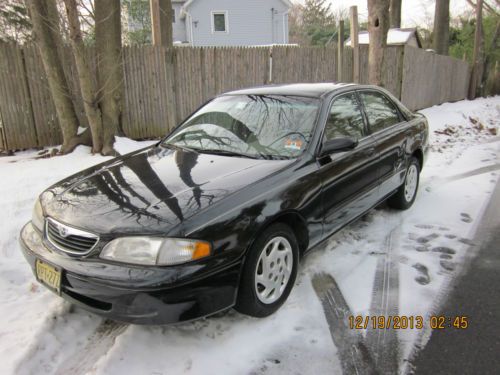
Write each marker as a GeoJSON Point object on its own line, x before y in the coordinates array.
{"type": "Point", "coordinates": [414, 12]}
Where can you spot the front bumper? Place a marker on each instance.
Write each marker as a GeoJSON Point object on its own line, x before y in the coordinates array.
{"type": "Point", "coordinates": [133, 294]}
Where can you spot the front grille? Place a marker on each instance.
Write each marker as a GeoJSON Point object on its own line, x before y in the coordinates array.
{"type": "Point", "coordinates": [69, 239]}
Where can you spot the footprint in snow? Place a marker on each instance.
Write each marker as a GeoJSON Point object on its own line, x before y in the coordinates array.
{"type": "Point", "coordinates": [447, 265]}
{"type": "Point", "coordinates": [424, 226]}
{"type": "Point", "coordinates": [422, 249]}
{"type": "Point", "coordinates": [428, 238]}
{"type": "Point", "coordinates": [466, 217]}
{"type": "Point", "coordinates": [444, 250]}
{"type": "Point", "coordinates": [466, 241]}
{"type": "Point", "coordinates": [423, 278]}
{"type": "Point", "coordinates": [450, 236]}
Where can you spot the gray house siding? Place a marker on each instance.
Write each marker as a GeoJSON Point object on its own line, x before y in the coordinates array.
{"type": "Point", "coordinates": [249, 22]}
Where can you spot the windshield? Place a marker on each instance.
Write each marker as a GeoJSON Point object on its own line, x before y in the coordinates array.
{"type": "Point", "coordinates": [250, 125]}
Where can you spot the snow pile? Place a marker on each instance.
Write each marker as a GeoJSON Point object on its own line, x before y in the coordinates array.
{"type": "Point", "coordinates": [424, 248]}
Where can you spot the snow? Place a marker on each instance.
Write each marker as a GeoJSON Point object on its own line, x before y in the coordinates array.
{"type": "Point", "coordinates": [427, 245]}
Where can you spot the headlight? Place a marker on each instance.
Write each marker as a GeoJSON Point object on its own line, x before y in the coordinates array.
{"type": "Point", "coordinates": [155, 251]}
{"type": "Point", "coordinates": [37, 216]}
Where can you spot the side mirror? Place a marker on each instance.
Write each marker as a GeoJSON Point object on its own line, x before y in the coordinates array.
{"type": "Point", "coordinates": [338, 145]}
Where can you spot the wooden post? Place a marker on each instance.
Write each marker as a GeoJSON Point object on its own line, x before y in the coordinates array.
{"type": "Point", "coordinates": [161, 22]}
{"type": "Point", "coordinates": [355, 43]}
{"type": "Point", "coordinates": [340, 49]}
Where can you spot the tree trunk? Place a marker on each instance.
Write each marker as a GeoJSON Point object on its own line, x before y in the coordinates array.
{"type": "Point", "coordinates": [87, 85]}
{"type": "Point", "coordinates": [478, 54]}
{"type": "Point", "coordinates": [395, 9]}
{"type": "Point", "coordinates": [442, 27]}
{"type": "Point", "coordinates": [161, 22]}
{"type": "Point", "coordinates": [109, 68]}
{"type": "Point", "coordinates": [45, 20]}
{"type": "Point", "coordinates": [489, 72]}
{"type": "Point", "coordinates": [378, 25]}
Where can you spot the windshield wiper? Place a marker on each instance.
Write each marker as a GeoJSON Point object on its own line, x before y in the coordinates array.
{"type": "Point", "coordinates": [226, 153]}
{"type": "Point", "coordinates": [183, 148]}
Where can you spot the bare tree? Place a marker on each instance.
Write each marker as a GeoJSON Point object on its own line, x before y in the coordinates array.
{"type": "Point", "coordinates": [161, 22]}
{"type": "Point", "coordinates": [378, 25]}
{"type": "Point", "coordinates": [110, 69]}
{"type": "Point", "coordinates": [87, 86]}
{"type": "Point", "coordinates": [45, 20]}
{"type": "Point", "coordinates": [395, 9]}
{"type": "Point", "coordinates": [442, 27]}
{"type": "Point", "coordinates": [478, 53]}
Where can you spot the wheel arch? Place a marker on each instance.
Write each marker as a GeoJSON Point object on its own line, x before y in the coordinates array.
{"type": "Point", "coordinates": [295, 221]}
{"type": "Point", "coordinates": [419, 155]}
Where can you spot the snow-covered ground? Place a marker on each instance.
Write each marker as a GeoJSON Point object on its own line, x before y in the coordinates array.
{"type": "Point", "coordinates": [419, 251]}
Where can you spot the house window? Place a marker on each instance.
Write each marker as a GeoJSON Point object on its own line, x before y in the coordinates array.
{"type": "Point", "coordinates": [173, 15]}
{"type": "Point", "coordinates": [219, 22]}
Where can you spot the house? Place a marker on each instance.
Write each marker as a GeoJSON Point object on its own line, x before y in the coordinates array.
{"type": "Point", "coordinates": [395, 37]}
{"type": "Point", "coordinates": [231, 22]}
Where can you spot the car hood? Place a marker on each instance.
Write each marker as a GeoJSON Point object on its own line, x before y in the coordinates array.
{"type": "Point", "coordinates": [150, 191]}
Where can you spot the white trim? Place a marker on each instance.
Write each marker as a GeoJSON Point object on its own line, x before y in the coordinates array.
{"type": "Point", "coordinates": [184, 11]}
{"type": "Point", "coordinates": [189, 21]}
{"type": "Point", "coordinates": [226, 21]}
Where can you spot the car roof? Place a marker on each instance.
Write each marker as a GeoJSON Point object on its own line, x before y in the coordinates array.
{"type": "Point", "coordinates": [315, 90]}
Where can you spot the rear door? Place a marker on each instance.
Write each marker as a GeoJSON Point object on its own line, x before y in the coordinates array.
{"type": "Point", "coordinates": [349, 178]}
{"type": "Point", "coordinates": [389, 128]}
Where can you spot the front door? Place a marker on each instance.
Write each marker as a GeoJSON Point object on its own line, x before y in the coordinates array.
{"type": "Point", "coordinates": [349, 178]}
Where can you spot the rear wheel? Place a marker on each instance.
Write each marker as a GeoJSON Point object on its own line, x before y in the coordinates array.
{"type": "Point", "coordinates": [406, 194]}
{"type": "Point", "coordinates": [269, 272]}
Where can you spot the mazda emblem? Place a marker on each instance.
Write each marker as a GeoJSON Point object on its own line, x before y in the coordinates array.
{"type": "Point", "coordinates": [63, 232]}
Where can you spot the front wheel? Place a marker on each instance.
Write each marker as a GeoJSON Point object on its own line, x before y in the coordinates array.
{"type": "Point", "coordinates": [269, 272]}
{"type": "Point", "coordinates": [406, 194]}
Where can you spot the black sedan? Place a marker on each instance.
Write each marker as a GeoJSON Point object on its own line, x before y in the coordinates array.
{"type": "Point", "coordinates": [219, 213]}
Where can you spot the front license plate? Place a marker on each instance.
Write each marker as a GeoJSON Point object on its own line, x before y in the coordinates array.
{"type": "Point", "coordinates": [48, 275]}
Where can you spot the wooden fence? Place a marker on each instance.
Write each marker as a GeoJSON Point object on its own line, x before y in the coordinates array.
{"type": "Point", "coordinates": [430, 79]}
{"type": "Point", "coordinates": [163, 86]}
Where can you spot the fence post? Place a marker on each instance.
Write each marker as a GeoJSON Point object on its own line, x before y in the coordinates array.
{"type": "Point", "coordinates": [270, 59]}
{"type": "Point", "coordinates": [355, 43]}
{"type": "Point", "coordinates": [340, 49]}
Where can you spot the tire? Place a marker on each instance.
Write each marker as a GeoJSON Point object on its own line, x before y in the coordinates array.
{"type": "Point", "coordinates": [261, 292]}
{"type": "Point", "coordinates": [406, 193]}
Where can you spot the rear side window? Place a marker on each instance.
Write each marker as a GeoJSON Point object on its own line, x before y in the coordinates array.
{"type": "Point", "coordinates": [345, 119]}
{"type": "Point", "coordinates": [380, 111]}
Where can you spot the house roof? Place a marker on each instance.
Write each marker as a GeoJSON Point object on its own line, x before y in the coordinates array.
{"type": "Point", "coordinates": [394, 37]}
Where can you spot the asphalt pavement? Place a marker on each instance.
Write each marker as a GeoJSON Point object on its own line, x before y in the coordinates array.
{"type": "Point", "coordinates": [476, 295]}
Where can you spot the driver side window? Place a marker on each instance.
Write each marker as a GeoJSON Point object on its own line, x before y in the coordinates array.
{"type": "Point", "coordinates": [345, 119]}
